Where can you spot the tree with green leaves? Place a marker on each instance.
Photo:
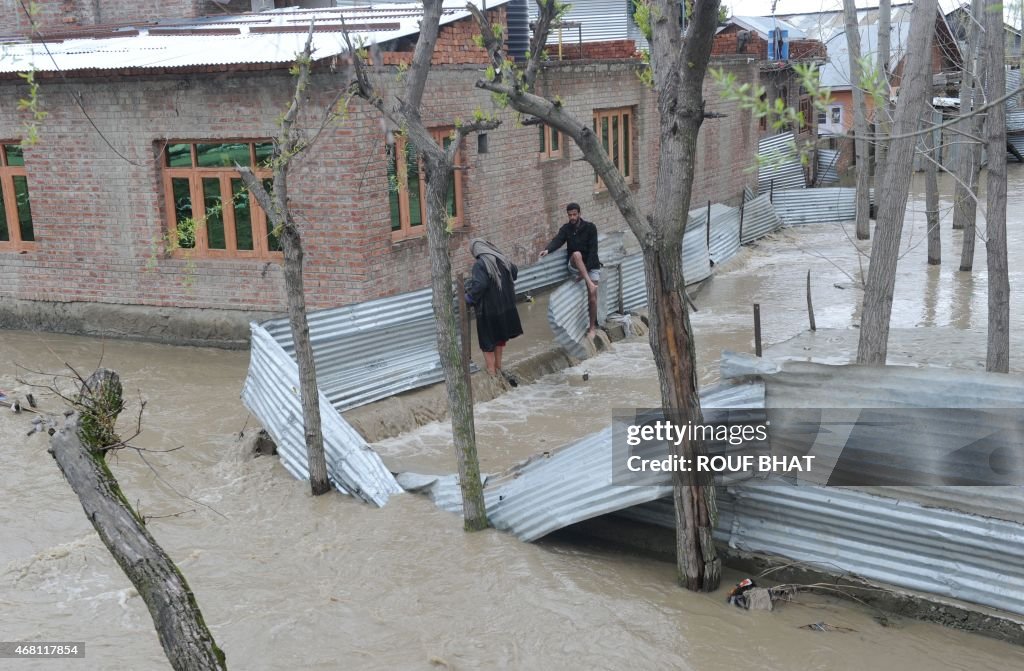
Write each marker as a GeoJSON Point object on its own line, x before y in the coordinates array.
{"type": "Point", "coordinates": [678, 65]}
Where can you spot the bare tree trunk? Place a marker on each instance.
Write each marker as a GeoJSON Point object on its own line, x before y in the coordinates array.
{"type": "Point", "coordinates": [79, 449]}
{"type": "Point", "coordinates": [916, 84]}
{"type": "Point", "coordinates": [997, 358]}
{"type": "Point", "coordinates": [456, 373]}
{"type": "Point", "coordinates": [678, 67]}
{"type": "Point", "coordinates": [883, 110]}
{"type": "Point", "coordinates": [291, 246]}
{"type": "Point", "coordinates": [697, 562]}
{"type": "Point", "coordinates": [931, 200]}
{"type": "Point", "coordinates": [275, 204]}
{"type": "Point", "coordinates": [966, 164]}
{"type": "Point", "coordinates": [404, 111]}
{"type": "Point", "coordinates": [860, 123]}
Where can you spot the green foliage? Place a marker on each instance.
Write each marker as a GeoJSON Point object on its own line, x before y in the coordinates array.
{"type": "Point", "coordinates": [780, 116]}
{"type": "Point", "coordinates": [646, 73]}
{"type": "Point", "coordinates": [98, 410]}
{"type": "Point", "coordinates": [498, 30]}
{"type": "Point", "coordinates": [642, 16]}
{"type": "Point", "coordinates": [500, 99]}
{"type": "Point", "coordinates": [31, 104]}
{"type": "Point", "coordinates": [478, 40]}
{"type": "Point", "coordinates": [872, 81]}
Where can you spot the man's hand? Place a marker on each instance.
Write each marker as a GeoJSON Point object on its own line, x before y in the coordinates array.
{"type": "Point", "coordinates": [543, 253]}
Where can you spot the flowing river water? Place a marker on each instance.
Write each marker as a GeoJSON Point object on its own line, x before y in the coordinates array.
{"type": "Point", "coordinates": [288, 581]}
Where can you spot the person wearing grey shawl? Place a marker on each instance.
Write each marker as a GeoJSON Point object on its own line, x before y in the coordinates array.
{"type": "Point", "coordinates": [491, 291]}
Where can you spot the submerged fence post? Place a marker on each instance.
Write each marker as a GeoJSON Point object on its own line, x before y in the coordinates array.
{"type": "Point", "coordinates": [464, 332]}
{"type": "Point", "coordinates": [743, 203]}
{"type": "Point", "coordinates": [810, 305]}
{"type": "Point", "coordinates": [757, 329]}
{"type": "Point", "coordinates": [708, 229]}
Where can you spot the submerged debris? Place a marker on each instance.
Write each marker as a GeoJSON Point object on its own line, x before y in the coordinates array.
{"type": "Point", "coordinates": [825, 626]}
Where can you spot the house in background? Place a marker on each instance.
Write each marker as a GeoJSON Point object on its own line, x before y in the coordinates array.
{"type": "Point", "coordinates": [959, 19]}
{"type": "Point", "coordinates": [147, 115]}
{"type": "Point", "coordinates": [829, 27]}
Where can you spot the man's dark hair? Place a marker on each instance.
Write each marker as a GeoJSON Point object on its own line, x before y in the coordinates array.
{"type": "Point", "coordinates": [573, 206]}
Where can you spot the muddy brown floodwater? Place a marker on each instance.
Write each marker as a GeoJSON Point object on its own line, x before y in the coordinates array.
{"type": "Point", "coordinates": [288, 581]}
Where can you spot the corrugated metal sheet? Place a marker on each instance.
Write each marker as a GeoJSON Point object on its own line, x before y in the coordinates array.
{"type": "Point", "coordinates": [550, 270]}
{"type": "Point", "coordinates": [634, 283]}
{"type": "Point", "coordinates": [271, 393]}
{"type": "Point", "coordinates": [780, 167]}
{"type": "Point", "coordinates": [725, 232]}
{"type": "Point", "coordinates": [267, 37]}
{"type": "Point", "coordinates": [599, 20]}
{"type": "Point", "coordinates": [569, 315]}
{"type": "Point", "coordinates": [942, 552]}
{"type": "Point", "coordinates": [696, 260]}
{"type": "Point", "coordinates": [816, 206]}
{"type": "Point", "coordinates": [1012, 84]}
{"type": "Point", "coordinates": [759, 219]}
{"type": "Point", "coordinates": [353, 368]}
{"type": "Point", "coordinates": [793, 384]}
{"type": "Point", "coordinates": [1015, 121]}
{"type": "Point", "coordinates": [1018, 142]}
{"type": "Point", "coordinates": [569, 484]}
{"type": "Point", "coordinates": [827, 166]}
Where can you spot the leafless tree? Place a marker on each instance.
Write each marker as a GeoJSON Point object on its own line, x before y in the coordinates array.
{"type": "Point", "coordinates": [931, 199]}
{"type": "Point", "coordinates": [860, 122]}
{"type": "Point", "coordinates": [402, 111]}
{"type": "Point", "coordinates": [677, 67]}
{"type": "Point", "coordinates": [892, 202]}
{"type": "Point", "coordinates": [287, 146]}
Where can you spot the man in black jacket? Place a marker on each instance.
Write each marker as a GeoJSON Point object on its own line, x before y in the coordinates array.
{"type": "Point", "coordinates": [580, 240]}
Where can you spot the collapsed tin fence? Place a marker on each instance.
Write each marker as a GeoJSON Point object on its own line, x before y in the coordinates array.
{"type": "Point", "coordinates": [376, 349]}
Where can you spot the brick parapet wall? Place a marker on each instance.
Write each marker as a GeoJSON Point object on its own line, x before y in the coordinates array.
{"type": "Point", "coordinates": [97, 216]}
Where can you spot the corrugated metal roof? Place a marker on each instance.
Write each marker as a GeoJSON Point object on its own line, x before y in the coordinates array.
{"type": "Point", "coordinates": [271, 393]}
{"type": "Point", "coordinates": [274, 36]}
{"type": "Point", "coordinates": [597, 21]}
{"type": "Point", "coordinates": [763, 25]}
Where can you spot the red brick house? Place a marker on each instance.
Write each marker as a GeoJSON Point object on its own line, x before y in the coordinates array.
{"type": "Point", "coordinates": [146, 118]}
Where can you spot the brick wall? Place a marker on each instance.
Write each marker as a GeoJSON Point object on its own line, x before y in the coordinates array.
{"type": "Point", "coordinates": [56, 15]}
{"type": "Point", "coordinates": [608, 50]}
{"type": "Point", "coordinates": [97, 215]}
{"type": "Point", "coordinates": [729, 43]}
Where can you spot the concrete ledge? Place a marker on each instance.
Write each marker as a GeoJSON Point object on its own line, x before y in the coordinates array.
{"type": "Point", "coordinates": [227, 329]}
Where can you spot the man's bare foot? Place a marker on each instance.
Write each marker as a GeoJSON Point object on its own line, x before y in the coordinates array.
{"type": "Point", "coordinates": [591, 333]}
